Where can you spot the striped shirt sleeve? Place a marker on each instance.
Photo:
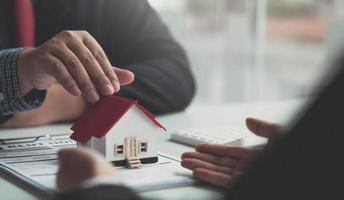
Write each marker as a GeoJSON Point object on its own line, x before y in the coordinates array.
{"type": "Point", "coordinates": [10, 99]}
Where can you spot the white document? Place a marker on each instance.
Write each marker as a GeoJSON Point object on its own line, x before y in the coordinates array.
{"type": "Point", "coordinates": [34, 162]}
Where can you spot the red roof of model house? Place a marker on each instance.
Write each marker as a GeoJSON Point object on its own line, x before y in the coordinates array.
{"type": "Point", "coordinates": [97, 121]}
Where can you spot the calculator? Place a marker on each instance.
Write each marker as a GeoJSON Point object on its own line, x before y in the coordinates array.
{"type": "Point", "coordinates": [222, 135]}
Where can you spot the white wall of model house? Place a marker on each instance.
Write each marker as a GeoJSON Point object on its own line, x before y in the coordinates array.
{"type": "Point", "coordinates": [134, 123]}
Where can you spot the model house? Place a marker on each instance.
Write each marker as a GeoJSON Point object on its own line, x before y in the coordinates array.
{"type": "Point", "coordinates": [120, 129]}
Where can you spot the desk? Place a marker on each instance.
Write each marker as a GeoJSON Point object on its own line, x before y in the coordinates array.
{"type": "Point", "coordinates": [198, 115]}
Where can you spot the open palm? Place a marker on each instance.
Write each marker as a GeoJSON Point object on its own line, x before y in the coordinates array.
{"type": "Point", "coordinates": [222, 165]}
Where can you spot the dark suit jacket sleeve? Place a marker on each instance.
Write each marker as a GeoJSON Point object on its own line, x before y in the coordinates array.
{"type": "Point", "coordinates": [308, 163]}
{"type": "Point", "coordinates": [164, 82]}
{"type": "Point", "coordinates": [106, 192]}
{"type": "Point", "coordinates": [135, 38]}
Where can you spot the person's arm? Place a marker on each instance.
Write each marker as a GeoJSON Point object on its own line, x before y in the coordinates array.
{"type": "Point", "coordinates": [11, 100]}
{"type": "Point", "coordinates": [72, 59]}
{"type": "Point", "coordinates": [135, 38]}
{"type": "Point", "coordinates": [53, 109]}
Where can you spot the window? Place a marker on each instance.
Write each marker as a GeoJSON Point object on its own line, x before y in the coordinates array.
{"type": "Point", "coordinates": [119, 149]}
{"type": "Point", "coordinates": [144, 146]}
{"type": "Point", "coordinates": [255, 50]}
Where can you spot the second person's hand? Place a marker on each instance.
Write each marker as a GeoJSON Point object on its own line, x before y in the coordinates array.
{"type": "Point", "coordinates": [77, 165]}
{"type": "Point", "coordinates": [75, 60]}
{"type": "Point", "coordinates": [222, 165]}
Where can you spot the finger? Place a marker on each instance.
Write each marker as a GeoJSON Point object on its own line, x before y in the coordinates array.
{"type": "Point", "coordinates": [59, 180]}
{"type": "Point", "coordinates": [61, 74]}
{"type": "Point", "coordinates": [65, 157]}
{"type": "Point", "coordinates": [99, 54]}
{"type": "Point", "coordinates": [220, 161]}
{"type": "Point", "coordinates": [93, 164]}
{"type": "Point", "coordinates": [125, 76]}
{"type": "Point", "coordinates": [194, 163]}
{"type": "Point", "coordinates": [264, 128]}
{"type": "Point", "coordinates": [94, 70]}
{"type": "Point", "coordinates": [70, 174]}
{"type": "Point", "coordinates": [215, 178]}
{"type": "Point", "coordinates": [78, 72]}
{"type": "Point", "coordinates": [251, 156]}
{"type": "Point", "coordinates": [69, 154]}
{"type": "Point", "coordinates": [222, 150]}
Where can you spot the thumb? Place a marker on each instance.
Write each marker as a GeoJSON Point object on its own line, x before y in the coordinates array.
{"type": "Point", "coordinates": [265, 129]}
{"type": "Point", "coordinates": [125, 76]}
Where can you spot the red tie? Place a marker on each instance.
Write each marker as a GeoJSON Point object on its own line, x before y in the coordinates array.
{"type": "Point", "coordinates": [25, 23]}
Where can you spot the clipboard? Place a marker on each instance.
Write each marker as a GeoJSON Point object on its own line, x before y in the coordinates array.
{"type": "Point", "coordinates": [20, 159]}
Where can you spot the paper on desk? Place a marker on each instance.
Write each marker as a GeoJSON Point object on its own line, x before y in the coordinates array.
{"type": "Point", "coordinates": [38, 168]}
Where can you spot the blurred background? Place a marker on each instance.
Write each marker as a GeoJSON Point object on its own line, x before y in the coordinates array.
{"type": "Point", "coordinates": [253, 50]}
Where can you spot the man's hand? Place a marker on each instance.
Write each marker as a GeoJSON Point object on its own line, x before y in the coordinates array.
{"type": "Point", "coordinates": [78, 165]}
{"type": "Point", "coordinates": [75, 60]}
{"type": "Point", "coordinates": [222, 165]}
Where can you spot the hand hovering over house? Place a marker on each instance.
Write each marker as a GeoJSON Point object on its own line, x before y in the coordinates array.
{"type": "Point", "coordinates": [75, 60]}
{"type": "Point", "coordinates": [222, 165]}
{"type": "Point", "coordinates": [78, 165]}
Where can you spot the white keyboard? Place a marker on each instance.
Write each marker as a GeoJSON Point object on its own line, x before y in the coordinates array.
{"type": "Point", "coordinates": [194, 137]}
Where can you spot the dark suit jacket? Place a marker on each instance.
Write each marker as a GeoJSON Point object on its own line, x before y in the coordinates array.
{"type": "Point", "coordinates": [307, 164]}
{"type": "Point", "coordinates": [132, 35]}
